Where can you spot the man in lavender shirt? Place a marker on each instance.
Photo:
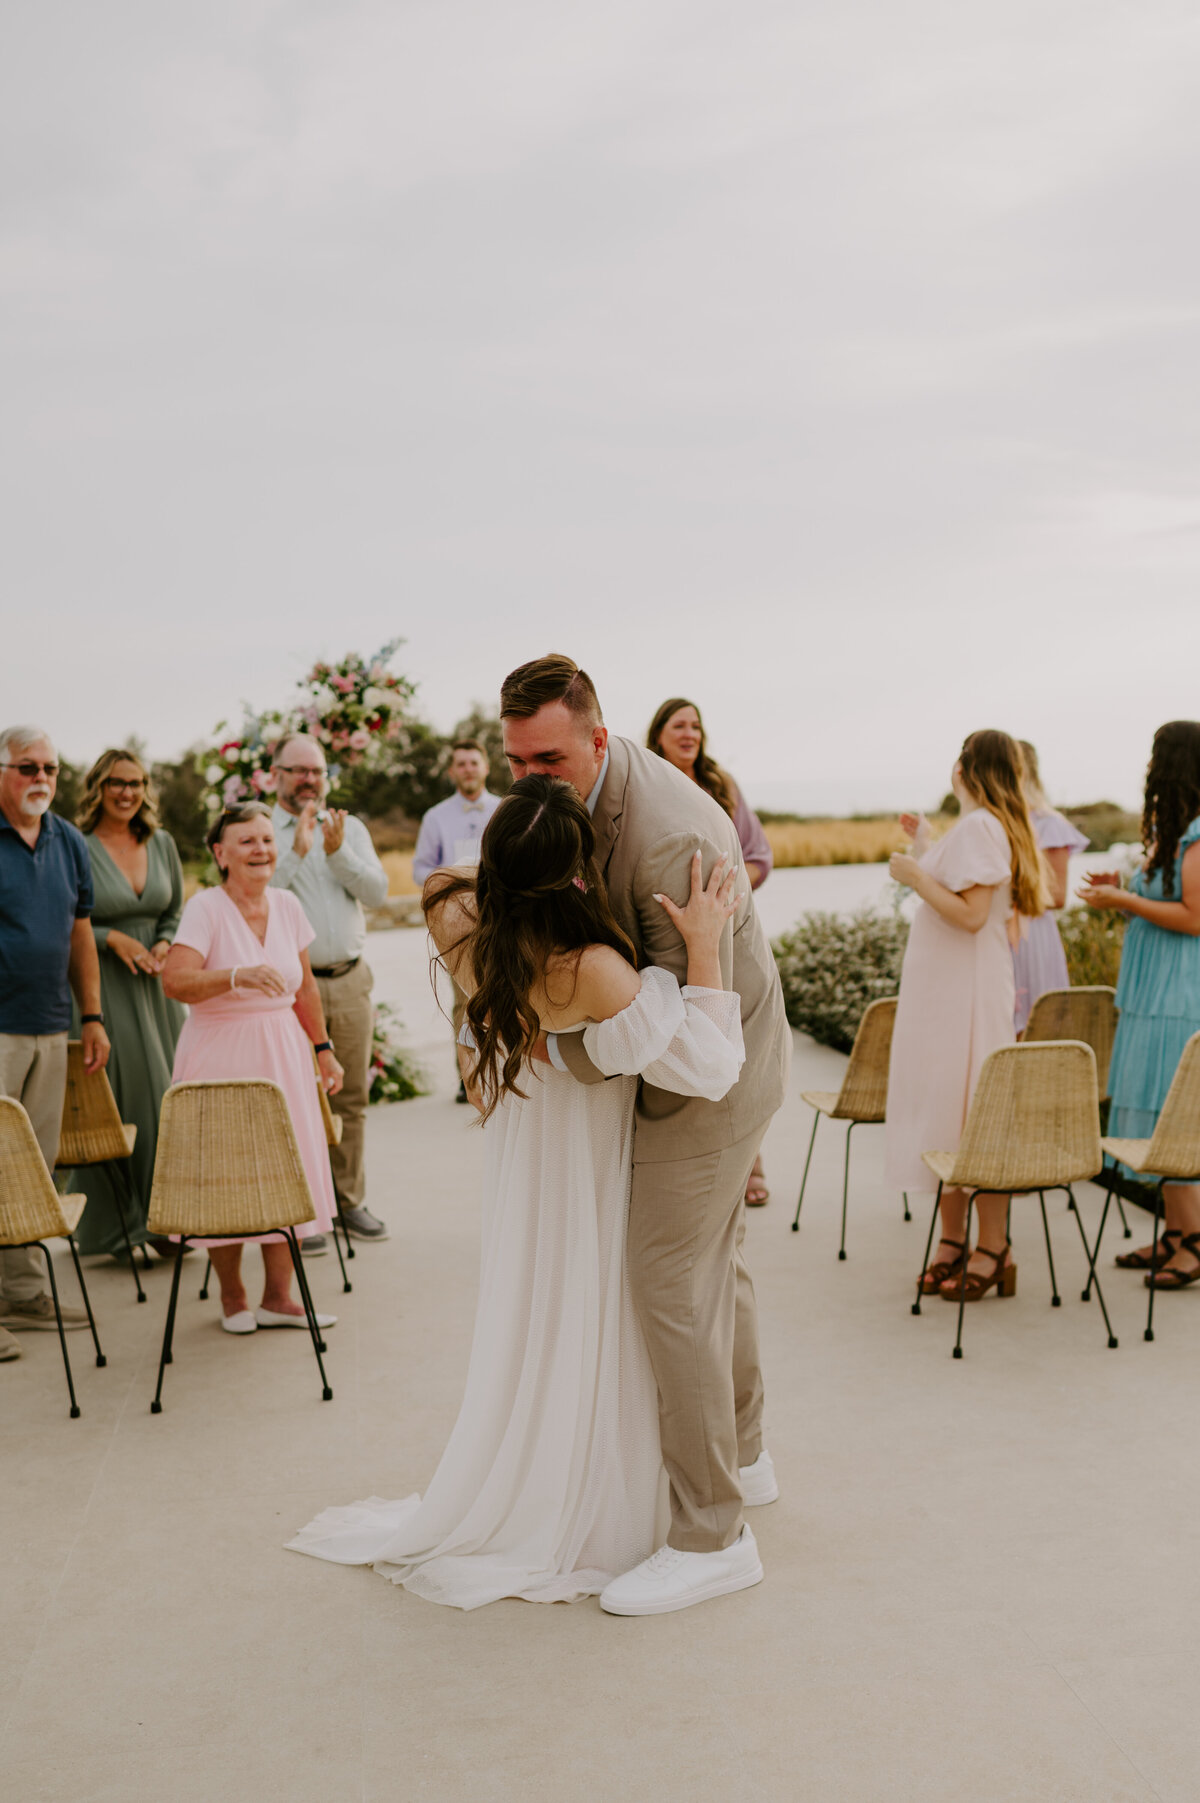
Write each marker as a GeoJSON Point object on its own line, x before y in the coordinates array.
{"type": "Point", "coordinates": [450, 834]}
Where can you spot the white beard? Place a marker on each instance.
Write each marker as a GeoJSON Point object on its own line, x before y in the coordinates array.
{"type": "Point", "coordinates": [35, 806]}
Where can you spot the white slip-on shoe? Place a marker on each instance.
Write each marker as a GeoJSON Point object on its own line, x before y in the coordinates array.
{"type": "Point", "coordinates": [266, 1317]}
{"type": "Point", "coordinates": [669, 1579]}
{"type": "Point", "coordinates": [759, 1483]}
{"type": "Point", "coordinates": [242, 1322]}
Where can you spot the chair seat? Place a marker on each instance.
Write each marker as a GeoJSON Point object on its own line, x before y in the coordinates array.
{"type": "Point", "coordinates": [940, 1163]}
{"type": "Point", "coordinates": [1127, 1151]}
{"type": "Point", "coordinates": [827, 1103]}
{"type": "Point", "coordinates": [70, 1207]}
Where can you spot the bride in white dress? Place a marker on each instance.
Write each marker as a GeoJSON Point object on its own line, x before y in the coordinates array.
{"type": "Point", "coordinates": [552, 1478]}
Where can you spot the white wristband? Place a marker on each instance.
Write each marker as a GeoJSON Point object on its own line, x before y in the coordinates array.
{"type": "Point", "coordinates": [233, 976]}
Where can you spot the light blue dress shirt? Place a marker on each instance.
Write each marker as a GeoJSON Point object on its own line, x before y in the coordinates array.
{"type": "Point", "coordinates": [451, 832]}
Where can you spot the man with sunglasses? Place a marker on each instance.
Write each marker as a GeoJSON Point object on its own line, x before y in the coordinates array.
{"type": "Point", "coordinates": [47, 949]}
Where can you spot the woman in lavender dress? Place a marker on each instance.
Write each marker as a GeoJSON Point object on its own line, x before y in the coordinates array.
{"type": "Point", "coordinates": [677, 734]}
{"type": "Point", "coordinates": [1039, 961]}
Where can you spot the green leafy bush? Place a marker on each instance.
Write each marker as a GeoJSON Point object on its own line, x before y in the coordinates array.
{"type": "Point", "coordinates": [1092, 938]}
{"type": "Point", "coordinates": [832, 965]}
{"type": "Point", "coordinates": [396, 1075]}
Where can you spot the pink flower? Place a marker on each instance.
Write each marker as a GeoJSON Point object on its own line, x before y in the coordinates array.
{"type": "Point", "coordinates": [233, 790]}
{"type": "Point", "coordinates": [359, 740]}
{"type": "Point", "coordinates": [263, 782]}
{"type": "Point", "coordinates": [344, 683]}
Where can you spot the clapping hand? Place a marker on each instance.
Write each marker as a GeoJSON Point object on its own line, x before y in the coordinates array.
{"type": "Point", "coordinates": [918, 830]}
{"type": "Point", "coordinates": [1102, 889]}
{"type": "Point", "coordinates": [904, 868]}
{"type": "Point", "coordinates": [306, 820]}
{"type": "Point", "coordinates": [334, 828]}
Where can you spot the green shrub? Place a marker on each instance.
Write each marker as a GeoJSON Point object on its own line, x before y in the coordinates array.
{"type": "Point", "coordinates": [832, 965]}
{"type": "Point", "coordinates": [1092, 938]}
{"type": "Point", "coordinates": [396, 1074]}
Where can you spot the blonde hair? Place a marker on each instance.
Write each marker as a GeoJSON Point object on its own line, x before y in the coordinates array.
{"type": "Point", "coordinates": [1033, 778]}
{"type": "Point", "coordinates": [992, 770]}
{"type": "Point", "coordinates": [144, 823]}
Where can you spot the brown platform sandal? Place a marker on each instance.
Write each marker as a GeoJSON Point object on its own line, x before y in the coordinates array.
{"type": "Point", "coordinates": [1178, 1280]}
{"type": "Point", "coordinates": [1139, 1261]}
{"type": "Point", "coordinates": [932, 1279]}
{"type": "Point", "coordinates": [1003, 1276]}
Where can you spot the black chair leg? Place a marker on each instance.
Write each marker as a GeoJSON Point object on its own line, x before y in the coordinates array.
{"type": "Point", "coordinates": [207, 1275]}
{"type": "Point", "coordinates": [1121, 1212]}
{"type": "Point", "coordinates": [168, 1332]}
{"type": "Point", "coordinates": [1158, 1209]}
{"type": "Point", "coordinates": [907, 1211]}
{"type": "Point", "coordinates": [340, 1221]}
{"type": "Point", "coordinates": [120, 1192]}
{"type": "Point", "coordinates": [804, 1180]}
{"type": "Point", "coordinates": [347, 1286]}
{"type": "Point", "coordinates": [1055, 1298]}
{"type": "Point", "coordinates": [937, 1202]}
{"type": "Point", "coordinates": [846, 1188]}
{"type": "Point", "coordinates": [62, 1338]}
{"type": "Point", "coordinates": [962, 1286]}
{"type": "Point", "coordinates": [87, 1301]}
{"type": "Point", "coordinates": [310, 1311]}
{"type": "Point", "coordinates": [1094, 1253]}
{"type": "Point", "coordinates": [1091, 1258]}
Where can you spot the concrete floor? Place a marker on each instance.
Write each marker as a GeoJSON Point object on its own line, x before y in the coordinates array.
{"type": "Point", "coordinates": [979, 1577]}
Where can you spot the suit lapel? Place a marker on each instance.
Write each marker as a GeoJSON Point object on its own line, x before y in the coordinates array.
{"type": "Point", "coordinates": [611, 803]}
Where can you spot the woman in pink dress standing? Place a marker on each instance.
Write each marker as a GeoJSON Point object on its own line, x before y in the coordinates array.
{"type": "Point", "coordinates": [239, 963]}
{"type": "Point", "coordinates": [957, 992]}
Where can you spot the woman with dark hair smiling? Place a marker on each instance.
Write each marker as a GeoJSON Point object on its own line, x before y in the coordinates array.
{"type": "Point", "coordinates": [552, 1476]}
{"type": "Point", "coordinates": [1158, 991]}
{"type": "Point", "coordinates": [138, 883]}
{"type": "Point", "coordinates": [677, 734]}
{"type": "Point", "coordinates": [239, 962]}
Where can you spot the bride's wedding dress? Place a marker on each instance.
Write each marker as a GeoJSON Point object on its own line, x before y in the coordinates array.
{"type": "Point", "coordinates": [551, 1479]}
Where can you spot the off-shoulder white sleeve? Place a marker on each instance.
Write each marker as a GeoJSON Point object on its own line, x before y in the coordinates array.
{"type": "Point", "coordinates": [688, 1041]}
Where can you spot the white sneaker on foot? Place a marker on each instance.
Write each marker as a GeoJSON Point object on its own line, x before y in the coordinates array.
{"type": "Point", "coordinates": [759, 1483]}
{"type": "Point", "coordinates": [669, 1579]}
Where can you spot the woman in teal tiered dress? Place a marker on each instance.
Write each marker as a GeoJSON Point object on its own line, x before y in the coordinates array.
{"type": "Point", "coordinates": [138, 883]}
{"type": "Point", "coordinates": [1158, 992]}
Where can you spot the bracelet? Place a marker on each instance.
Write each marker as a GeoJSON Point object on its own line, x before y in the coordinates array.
{"type": "Point", "coordinates": [326, 1045]}
{"type": "Point", "coordinates": [233, 976]}
{"type": "Point", "coordinates": [84, 1019]}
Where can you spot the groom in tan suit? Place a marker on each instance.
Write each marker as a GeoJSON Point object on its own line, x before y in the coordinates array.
{"type": "Point", "coordinates": [691, 1157]}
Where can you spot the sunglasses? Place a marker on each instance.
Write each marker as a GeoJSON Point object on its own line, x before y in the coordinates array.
{"type": "Point", "coordinates": [30, 769]}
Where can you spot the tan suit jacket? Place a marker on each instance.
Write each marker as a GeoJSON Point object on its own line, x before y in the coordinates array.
{"type": "Point", "coordinates": [649, 820]}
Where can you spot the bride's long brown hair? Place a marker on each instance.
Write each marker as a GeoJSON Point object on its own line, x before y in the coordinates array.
{"type": "Point", "coordinates": [538, 892]}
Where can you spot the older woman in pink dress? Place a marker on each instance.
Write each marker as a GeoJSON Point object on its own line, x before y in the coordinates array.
{"type": "Point", "coordinates": [957, 993]}
{"type": "Point", "coordinates": [239, 963]}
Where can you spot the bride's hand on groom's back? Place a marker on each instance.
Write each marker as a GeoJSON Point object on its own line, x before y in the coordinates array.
{"type": "Point", "coordinates": [703, 919]}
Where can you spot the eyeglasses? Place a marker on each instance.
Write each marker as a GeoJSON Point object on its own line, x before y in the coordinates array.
{"type": "Point", "coordinates": [134, 784]}
{"type": "Point", "coordinates": [301, 769]}
{"type": "Point", "coordinates": [30, 769]}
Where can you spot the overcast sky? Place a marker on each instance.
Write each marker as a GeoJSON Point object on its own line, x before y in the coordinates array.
{"type": "Point", "coordinates": [833, 364]}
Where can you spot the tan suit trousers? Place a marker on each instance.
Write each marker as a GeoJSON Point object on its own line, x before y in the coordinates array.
{"type": "Point", "coordinates": [695, 1301]}
{"type": "Point", "coordinates": [33, 1071]}
{"type": "Point", "coordinates": [349, 1022]}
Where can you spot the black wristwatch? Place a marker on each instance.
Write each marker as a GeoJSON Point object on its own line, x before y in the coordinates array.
{"type": "Point", "coordinates": [86, 1019]}
{"type": "Point", "coordinates": [326, 1045]}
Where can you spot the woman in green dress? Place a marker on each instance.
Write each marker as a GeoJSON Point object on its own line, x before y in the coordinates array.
{"type": "Point", "coordinates": [138, 882]}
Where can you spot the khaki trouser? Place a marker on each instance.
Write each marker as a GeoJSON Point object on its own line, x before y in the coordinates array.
{"type": "Point", "coordinates": [349, 1020]}
{"type": "Point", "coordinates": [695, 1301]}
{"type": "Point", "coordinates": [33, 1070]}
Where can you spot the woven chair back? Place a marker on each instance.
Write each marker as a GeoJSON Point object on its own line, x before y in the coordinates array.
{"type": "Point", "coordinates": [1174, 1149]}
{"type": "Point", "coordinates": [1088, 1013]}
{"type": "Point", "coordinates": [30, 1207]}
{"type": "Point", "coordinates": [227, 1161]}
{"type": "Point", "coordinates": [92, 1128]}
{"type": "Point", "coordinates": [863, 1094]}
{"type": "Point", "coordinates": [1034, 1120]}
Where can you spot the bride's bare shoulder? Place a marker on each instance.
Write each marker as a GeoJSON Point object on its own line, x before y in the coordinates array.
{"type": "Point", "coordinates": [607, 982]}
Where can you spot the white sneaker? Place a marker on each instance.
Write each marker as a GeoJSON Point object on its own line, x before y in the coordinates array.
{"type": "Point", "coordinates": [669, 1579]}
{"type": "Point", "coordinates": [759, 1483]}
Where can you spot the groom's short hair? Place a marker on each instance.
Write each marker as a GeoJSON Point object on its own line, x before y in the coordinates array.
{"type": "Point", "coordinates": [550, 678]}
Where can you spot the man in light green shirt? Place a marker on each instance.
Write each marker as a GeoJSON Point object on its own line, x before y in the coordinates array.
{"type": "Point", "coordinates": [327, 860]}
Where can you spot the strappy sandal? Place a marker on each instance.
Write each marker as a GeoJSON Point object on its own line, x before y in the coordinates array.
{"type": "Point", "coordinates": [1152, 1260]}
{"type": "Point", "coordinates": [1168, 1279]}
{"type": "Point", "coordinates": [932, 1279]}
{"type": "Point", "coordinates": [1003, 1278]}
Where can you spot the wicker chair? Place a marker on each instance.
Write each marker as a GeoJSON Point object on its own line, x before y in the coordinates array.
{"type": "Point", "coordinates": [94, 1133]}
{"type": "Point", "coordinates": [861, 1100]}
{"type": "Point", "coordinates": [1033, 1125]}
{"type": "Point", "coordinates": [1088, 1012]}
{"type": "Point", "coordinates": [32, 1212]}
{"type": "Point", "coordinates": [1170, 1155]}
{"type": "Point", "coordinates": [333, 1137]}
{"type": "Point", "coordinates": [228, 1167]}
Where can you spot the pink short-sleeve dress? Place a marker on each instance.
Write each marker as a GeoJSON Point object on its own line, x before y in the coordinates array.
{"type": "Point", "coordinates": [956, 1003]}
{"type": "Point", "coordinates": [247, 1034]}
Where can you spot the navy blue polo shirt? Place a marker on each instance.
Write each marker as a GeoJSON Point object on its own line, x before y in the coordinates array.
{"type": "Point", "coordinates": [43, 892]}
